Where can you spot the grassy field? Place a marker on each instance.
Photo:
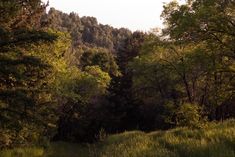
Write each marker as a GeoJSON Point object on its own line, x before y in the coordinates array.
{"type": "Point", "coordinates": [215, 140]}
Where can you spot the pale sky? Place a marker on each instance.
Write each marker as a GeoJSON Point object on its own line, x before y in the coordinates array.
{"type": "Point", "coordinates": [132, 14]}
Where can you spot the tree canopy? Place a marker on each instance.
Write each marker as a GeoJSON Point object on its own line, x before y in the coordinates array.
{"type": "Point", "coordinates": [66, 77]}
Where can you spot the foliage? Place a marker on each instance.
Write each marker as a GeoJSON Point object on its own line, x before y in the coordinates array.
{"type": "Point", "coordinates": [189, 115]}
{"type": "Point", "coordinates": [85, 94]}
{"type": "Point", "coordinates": [101, 58]}
{"type": "Point", "coordinates": [215, 140]}
{"type": "Point", "coordinates": [27, 76]}
{"type": "Point", "coordinates": [188, 64]}
{"type": "Point", "coordinates": [70, 78]}
{"type": "Point", "coordinates": [86, 34]}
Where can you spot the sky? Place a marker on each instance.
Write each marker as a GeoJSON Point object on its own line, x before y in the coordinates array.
{"type": "Point", "coordinates": [135, 15]}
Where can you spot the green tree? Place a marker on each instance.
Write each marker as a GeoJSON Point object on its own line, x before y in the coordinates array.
{"type": "Point", "coordinates": [102, 58]}
{"type": "Point", "coordinates": [81, 115]}
{"type": "Point", "coordinates": [30, 60]}
{"type": "Point", "coordinates": [209, 22]}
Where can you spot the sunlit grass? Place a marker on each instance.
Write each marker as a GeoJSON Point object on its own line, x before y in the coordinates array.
{"type": "Point", "coordinates": [215, 140]}
{"type": "Point", "coordinates": [23, 152]}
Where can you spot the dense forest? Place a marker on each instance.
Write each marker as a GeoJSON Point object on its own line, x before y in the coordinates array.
{"type": "Point", "coordinates": [68, 78]}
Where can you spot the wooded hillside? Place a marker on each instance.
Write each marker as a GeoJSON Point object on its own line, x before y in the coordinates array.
{"type": "Point", "coordinates": [70, 78]}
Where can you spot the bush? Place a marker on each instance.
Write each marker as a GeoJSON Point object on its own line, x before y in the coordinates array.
{"type": "Point", "coordinates": [5, 139]}
{"type": "Point", "coordinates": [189, 115]}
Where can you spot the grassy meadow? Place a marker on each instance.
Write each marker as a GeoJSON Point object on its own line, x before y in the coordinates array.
{"type": "Point", "coordinates": [214, 140]}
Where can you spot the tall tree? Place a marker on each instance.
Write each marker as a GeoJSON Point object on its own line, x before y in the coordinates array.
{"type": "Point", "coordinates": [30, 58]}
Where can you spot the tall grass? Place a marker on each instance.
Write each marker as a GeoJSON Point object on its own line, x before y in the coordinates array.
{"type": "Point", "coordinates": [23, 152]}
{"type": "Point", "coordinates": [215, 140]}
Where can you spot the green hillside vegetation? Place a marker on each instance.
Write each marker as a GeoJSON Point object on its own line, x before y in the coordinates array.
{"type": "Point", "coordinates": [215, 140]}
{"type": "Point", "coordinates": [69, 79]}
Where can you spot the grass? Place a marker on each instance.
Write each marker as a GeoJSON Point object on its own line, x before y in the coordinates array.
{"type": "Point", "coordinates": [23, 152]}
{"type": "Point", "coordinates": [216, 140]}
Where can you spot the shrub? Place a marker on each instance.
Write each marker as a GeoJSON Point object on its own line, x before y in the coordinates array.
{"type": "Point", "coordinates": [189, 115]}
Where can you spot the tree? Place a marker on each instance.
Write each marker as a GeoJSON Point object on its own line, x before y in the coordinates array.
{"type": "Point", "coordinates": [80, 118]}
{"type": "Point", "coordinates": [102, 58]}
{"type": "Point", "coordinates": [210, 22]}
{"type": "Point", "coordinates": [30, 60]}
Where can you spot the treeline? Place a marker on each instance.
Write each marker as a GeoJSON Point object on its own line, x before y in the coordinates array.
{"type": "Point", "coordinates": [86, 33]}
{"type": "Point", "coordinates": [65, 77]}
